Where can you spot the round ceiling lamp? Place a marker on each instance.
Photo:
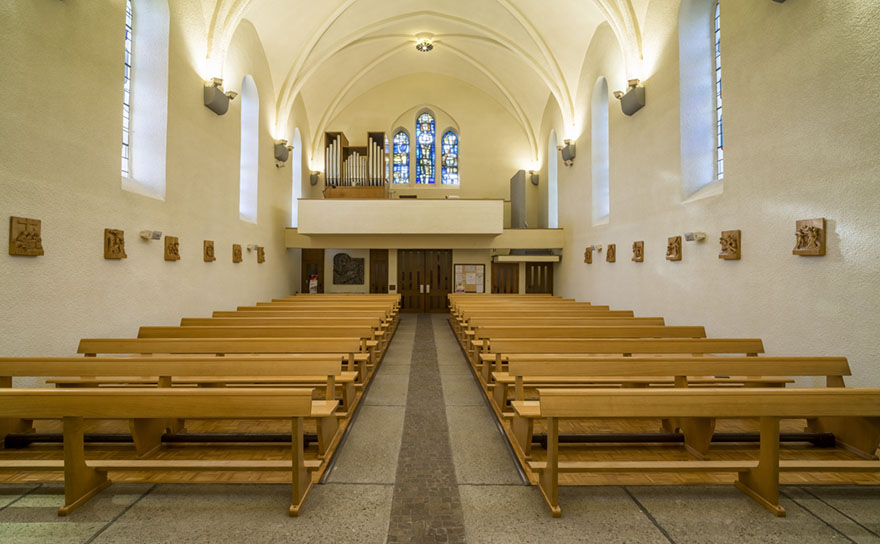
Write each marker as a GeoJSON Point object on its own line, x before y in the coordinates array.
{"type": "Point", "coordinates": [425, 44]}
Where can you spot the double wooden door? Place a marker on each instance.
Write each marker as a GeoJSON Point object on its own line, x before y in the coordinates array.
{"type": "Point", "coordinates": [424, 279]}
{"type": "Point", "coordinates": [505, 278]}
{"type": "Point", "coordinates": [539, 278]}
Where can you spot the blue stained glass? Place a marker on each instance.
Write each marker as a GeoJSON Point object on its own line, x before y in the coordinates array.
{"type": "Point", "coordinates": [401, 158]}
{"type": "Point", "coordinates": [425, 137]}
{"type": "Point", "coordinates": [126, 90]}
{"type": "Point", "coordinates": [449, 159]}
{"type": "Point", "coordinates": [719, 144]}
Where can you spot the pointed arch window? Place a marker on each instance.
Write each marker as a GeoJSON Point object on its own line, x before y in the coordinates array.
{"type": "Point", "coordinates": [425, 139]}
{"type": "Point", "coordinates": [449, 159]}
{"type": "Point", "coordinates": [719, 132]}
{"type": "Point", "coordinates": [400, 168]}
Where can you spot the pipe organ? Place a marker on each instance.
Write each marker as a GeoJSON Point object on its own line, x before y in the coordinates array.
{"type": "Point", "coordinates": [355, 166]}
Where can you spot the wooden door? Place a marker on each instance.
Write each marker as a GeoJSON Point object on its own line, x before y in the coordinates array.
{"type": "Point", "coordinates": [411, 279]}
{"type": "Point", "coordinates": [539, 278]}
{"type": "Point", "coordinates": [312, 263]}
{"type": "Point", "coordinates": [438, 279]}
{"type": "Point", "coordinates": [505, 278]}
{"type": "Point", "coordinates": [378, 270]}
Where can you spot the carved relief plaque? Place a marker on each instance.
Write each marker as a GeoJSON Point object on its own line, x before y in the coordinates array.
{"type": "Point", "coordinates": [639, 252]}
{"type": "Point", "coordinates": [172, 248]}
{"type": "Point", "coordinates": [611, 255]}
{"type": "Point", "coordinates": [114, 244]}
{"type": "Point", "coordinates": [25, 237]}
{"type": "Point", "coordinates": [731, 245]}
{"type": "Point", "coordinates": [809, 238]}
{"type": "Point", "coordinates": [673, 249]}
{"type": "Point", "coordinates": [347, 270]}
{"type": "Point", "coordinates": [588, 255]}
{"type": "Point", "coordinates": [236, 253]}
{"type": "Point", "coordinates": [261, 254]}
{"type": "Point", "coordinates": [208, 251]}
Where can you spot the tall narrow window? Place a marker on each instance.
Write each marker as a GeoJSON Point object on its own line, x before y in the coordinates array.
{"type": "Point", "coordinates": [250, 150]}
{"type": "Point", "coordinates": [296, 180]}
{"type": "Point", "coordinates": [552, 188]}
{"type": "Point", "coordinates": [719, 133]}
{"type": "Point", "coordinates": [425, 138]}
{"type": "Point", "coordinates": [449, 159]}
{"type": "Point", "coordinates": [126, 91]}
{"type": "Point", "coordinates": [145, 97]}
{"type": "Point", "coordinates": [601, 150]}
{"type": "Point", "coordinates": [401, 157]}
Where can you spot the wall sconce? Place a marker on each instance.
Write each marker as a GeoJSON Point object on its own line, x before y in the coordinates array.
{"type": "Point", "coordinates": [596, 247]}
{"type": "Point", "coordinates": [568, 152]}
{"type": "Point", "coordinates": [151, 234]}
{"type": "Point", "coordinates": [313, 177]}
{"type": "Point", "coordinates": [216, 99]}
{"type": "Point", "coordinates": [282, 152]}
{"type": "Point", "coordinates": [695, 236]}
{"type": "Point", "coordinates": [633, 99]}
{"type": "Point", "coordinates": [533, 177]}
{"type": "Point", "coordinates": [252, 247]}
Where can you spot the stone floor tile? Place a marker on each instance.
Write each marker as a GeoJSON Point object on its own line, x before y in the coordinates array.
{"type": "Point", "coordinates": [478, 448]}
{"type": "Point", "coordinates": [369, 453]}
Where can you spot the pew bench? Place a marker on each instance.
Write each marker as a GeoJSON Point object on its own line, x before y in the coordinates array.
{"type": "Point", "coordinates": [759, 478]}
{"type": "Point", "coordinates": [545, 372]}
{"type": "Point", "coordinates": [209, 372]}
{"type": "Point", "coordinates": [85, 478]}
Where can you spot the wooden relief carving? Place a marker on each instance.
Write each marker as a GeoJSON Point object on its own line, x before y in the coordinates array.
{"type": "Point", "coordinates": [673, 249]}
{"type": "Point", "coordinates": [25, 237]}
{"type": "Point", "coordinates": [236, 253]}
{"type": "Point", "coordinates": [261, 254]}
{"type": "Point", "coordinates": [810, 237]}
{"type": "Point", "coordinates": [208, 250]}
{"type": "Point", "coordinates": [172, 248]}
{"type": "Point", "coordinates": [611, 255]}
{"type": "Point", "coordinates": [731, 246]}
{"type": "Point", "coordinates": [588, 255]}
{"type": "Point", "coordinates": [114, 244]}
{"type": "Point", "coordinates": [639, 252]}
{"type": "Point", "coordinates": [347, 270]}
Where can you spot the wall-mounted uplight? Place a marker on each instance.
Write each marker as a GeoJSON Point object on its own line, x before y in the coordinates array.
{"type": "Point", "coordinates": [633, 99]}
{"type": "Point", "coordinates": [282, 152]}
{"type": "Point", "coordinates": [595, 247]}
{"type": "Point", "coordinates": [151, 234]}
{"type": "Point", "coordinates": [313, 177]}
{"type": "Point", "coordinates": [568, 152]}
{"type": "Point", "coordinates": [533, 177]}
{"type": "Point", "coordinates": [695, 236]}
{"type": "Point", "coordinates": [216, 99]}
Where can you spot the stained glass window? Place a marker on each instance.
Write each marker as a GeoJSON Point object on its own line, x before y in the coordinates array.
{"type": "Point", "coordinates": [718, 124]}
{"type": "Point", "coordinates": [126, 93]}
{"type": "Point", "coordinates": [449, 159]}
{"type": "Point", "coordinates": [401, 158]}
{"type": "Point", "coordinates": [425, 137]}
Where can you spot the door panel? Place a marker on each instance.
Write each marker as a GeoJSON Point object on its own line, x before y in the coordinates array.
{"type": "Point", "coordinates": [378, 270]}
{"type": "Point", "coordinates": [438, 280]}
{"type": "Point", "coordinates": [410, 279]}
{"type": "Point", "coordinates": [312, 263]}
{"type": "Point", "coordinates": [539, 278]}
{"type": "Point", "coordinates": [505, 278]}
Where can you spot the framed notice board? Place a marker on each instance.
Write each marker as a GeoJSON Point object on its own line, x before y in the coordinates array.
{"type": "Point", "coordinates": [470, 278]}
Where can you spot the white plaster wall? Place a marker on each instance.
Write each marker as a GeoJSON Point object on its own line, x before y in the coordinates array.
{"type": "Point", "coordinates": [59, 162]}
{"type": "Point", "coordinates": [801, 135]}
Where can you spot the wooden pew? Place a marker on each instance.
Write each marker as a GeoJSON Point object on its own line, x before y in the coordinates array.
{"type": "Point", "coordinates": [568, 372]}
{"type": "Point", "coordinates": [495, 349]}
{"type": "Point", "coordinates": [84, 479]}
{"type": "Point", "coordinates": [758, 479]}
{"type": "Point", "coordinates": [323, 372]}
{"type": "Point", "coordinates": [349, 349]}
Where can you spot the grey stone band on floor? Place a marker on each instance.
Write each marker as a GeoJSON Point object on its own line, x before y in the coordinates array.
{"type": "Point", "coordinates": [426, 505]}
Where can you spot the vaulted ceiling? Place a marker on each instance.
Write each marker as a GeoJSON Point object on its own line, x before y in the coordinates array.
{"type": "Point", "coordinates": [519, 51]}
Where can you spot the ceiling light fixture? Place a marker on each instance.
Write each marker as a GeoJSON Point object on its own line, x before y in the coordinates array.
{"type": "Point", "coordinates": [425, 45]}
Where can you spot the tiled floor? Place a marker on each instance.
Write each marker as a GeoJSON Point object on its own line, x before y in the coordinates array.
{"type": "Point", "coordinates": [368, 485]}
